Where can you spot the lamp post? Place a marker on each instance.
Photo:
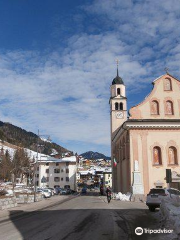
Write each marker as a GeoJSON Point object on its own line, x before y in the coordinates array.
{"type": "Point", "coordinates": [36, 162]}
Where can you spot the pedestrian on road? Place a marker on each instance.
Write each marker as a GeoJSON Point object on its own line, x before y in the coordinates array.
{"type": "Point", "coordinates": [108, 192]}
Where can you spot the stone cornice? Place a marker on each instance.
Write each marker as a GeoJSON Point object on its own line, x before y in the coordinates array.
{"type": "Point", "coordinates": [147, 124]}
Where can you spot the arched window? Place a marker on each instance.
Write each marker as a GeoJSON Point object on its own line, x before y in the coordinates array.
{"type": "Point", "coordinates": [172, 156]}
{"type": "Point", "coordinates": [157, 160]}
{"type": "Point", "coordinates": [118, 91]}
{"type": "Point", "coordinates": [155, 107]}
{"type": "Point", "coordinates": [169, 108]}
{"type": "Point", "coordinates": [167, 84]}
{"type": "Point", "coordinates": [121, 106]}
{"type": "Point", "coordinates": [116, 106]}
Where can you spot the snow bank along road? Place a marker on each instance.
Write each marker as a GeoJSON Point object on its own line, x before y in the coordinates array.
{"type": "Point", "coordinates": [84, 217]}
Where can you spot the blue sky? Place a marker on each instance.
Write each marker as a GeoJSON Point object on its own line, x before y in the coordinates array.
{"type": "Point", "coordinates": [57, 62]}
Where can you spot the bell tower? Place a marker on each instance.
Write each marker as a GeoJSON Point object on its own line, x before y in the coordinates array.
{"type": "Point", "coordinates": [118, 104]}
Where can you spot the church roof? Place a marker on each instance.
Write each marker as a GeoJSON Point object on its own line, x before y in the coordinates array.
{"type": "Point", "coordinates": [117, 79]}
{"type": "Point", "coordinates": [165, 75]}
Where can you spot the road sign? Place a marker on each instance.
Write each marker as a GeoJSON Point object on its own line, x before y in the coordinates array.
{"type": "Point", "coordinates": [43, 180]}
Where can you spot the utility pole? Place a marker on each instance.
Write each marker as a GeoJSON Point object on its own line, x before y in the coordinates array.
{"type": "Point", "coordinates": [36, 164]}
{"type": "Point", "coordinates": [35, 169]}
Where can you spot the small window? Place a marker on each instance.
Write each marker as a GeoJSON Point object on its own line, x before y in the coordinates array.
{"type": "Point", "coordinates": [47, 164]}
{"type": "Point", "coordinates": [57, 164]}
{"type": "Point", "coordinates": [118, 91]}
{"type": "Point", "coordinates": [37, 168]}
{"type": "Point", "coordinates": [56, 170]}
{"type": "Point", "coordinates": [67, 163]}
{"type": "Point", "coordinates": [62, 170]}
{"type": "Point", "coordinates": [56, 179]}
{"type": "Point", "coordinates": [116, 106]}
{"type": "Point", "coordinates": [67, 179]}
{"type": "Point", "coordinates": [47, 170]}
{"type": "Point", "coordinates": [121, 106]}
{"type": "Point", "coordinates": [47, 179]}
{"type": "Point", "coordinates": [62, 179]}
{"type": "Point", "coordinates": [67, 170]}
{"type": "Point", "coordinates": [37, 175]}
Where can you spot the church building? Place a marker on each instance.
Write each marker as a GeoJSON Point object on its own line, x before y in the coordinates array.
{"type": "Point", "coordinates": [147, 142]}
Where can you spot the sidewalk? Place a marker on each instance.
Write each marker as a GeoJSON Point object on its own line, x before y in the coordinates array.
{"type": "Point", "coordinates": [24, 209]}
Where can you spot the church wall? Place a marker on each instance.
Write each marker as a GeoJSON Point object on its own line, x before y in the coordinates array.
{"type": "Point", "coordinates": [122, 181]}
{"type": "Point", "coordinates": [142, 143]}
{"type": "Point", "coordinates": [147, 109]}
{"type": "Point", "coordinates": [165, 139]}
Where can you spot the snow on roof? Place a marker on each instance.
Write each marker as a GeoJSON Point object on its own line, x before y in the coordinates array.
{"type": "Point", "coordinates": [46, 158]}
{"type": "Point", "coordinates": [69, 159]}
{"type": "Point", "coordinates": [94, 170]}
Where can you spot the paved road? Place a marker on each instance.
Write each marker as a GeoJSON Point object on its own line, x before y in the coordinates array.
{"type": "Point", "coordinates": [82, 218]}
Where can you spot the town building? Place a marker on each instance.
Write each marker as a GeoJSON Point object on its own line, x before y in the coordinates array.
{"type": "Point", "coordinates": [91, 176]}
{"type": "Point", "coordinates": [147, 142]}
{"type": "Point", "coordinates": [52, 172]}
{"type": "Point", "coordinates": [107, 180]}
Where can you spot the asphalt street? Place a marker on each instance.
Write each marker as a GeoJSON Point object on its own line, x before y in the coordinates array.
{"type": "Point", "coordinates": [87, 217]}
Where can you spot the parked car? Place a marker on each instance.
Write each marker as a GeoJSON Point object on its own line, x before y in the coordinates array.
{"type": "Point", "coordinates": [52, 191]}
{"type": "Point", "coordinates": [84, 190]}
{"type": "Point", "coordinates": [45, 192]}
{"type": "Point", "coordinates": [155, 196]}
{"type": "Point", "coordinates": [58, 190]}
{"type": "Point", "coordinates": [63, 192]}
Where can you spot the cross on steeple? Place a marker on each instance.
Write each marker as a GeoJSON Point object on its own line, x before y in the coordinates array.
{"type": "Point", "coordinates": [166, 69]}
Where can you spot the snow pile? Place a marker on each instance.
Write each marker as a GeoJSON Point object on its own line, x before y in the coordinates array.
{"type": "Point", "coordinates": [122, 197]}
{"type": "Point", "coordinates": [170, 210]}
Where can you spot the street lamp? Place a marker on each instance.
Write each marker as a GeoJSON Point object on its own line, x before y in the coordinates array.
{"type": "Point", "coordinates": [36, 162]}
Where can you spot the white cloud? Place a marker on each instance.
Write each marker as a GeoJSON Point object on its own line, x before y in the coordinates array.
{"type": "Point", "coordinates": [65, 93]}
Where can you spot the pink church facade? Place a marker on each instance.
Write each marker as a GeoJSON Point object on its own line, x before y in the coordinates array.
{"type": "Point", "coordinates": [150, 139]}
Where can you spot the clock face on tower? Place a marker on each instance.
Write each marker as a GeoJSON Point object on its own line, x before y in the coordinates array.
{"type": "Point", "coordinates": [119, 115]}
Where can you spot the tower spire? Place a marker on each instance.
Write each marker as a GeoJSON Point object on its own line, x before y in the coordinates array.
{"type": "Point", "coordinates": [117, 62]}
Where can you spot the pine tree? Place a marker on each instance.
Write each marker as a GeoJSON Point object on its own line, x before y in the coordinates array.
{"type": "Point", "coordinates": [21, 163]}
{"type": "Point", "coordinates": [5, 165]}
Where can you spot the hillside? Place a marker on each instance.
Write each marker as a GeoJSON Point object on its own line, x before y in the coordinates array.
{"type": "Point", "coordinates": [94, 155]}
{"type": "Point", "coordinates": [20, 137]}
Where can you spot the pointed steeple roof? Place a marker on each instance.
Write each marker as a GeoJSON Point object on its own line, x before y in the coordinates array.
{"type": "Point", "coordinates": [117, 79]}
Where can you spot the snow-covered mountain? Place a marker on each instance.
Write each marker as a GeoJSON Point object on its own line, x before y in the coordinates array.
{"type": "Point", "coordinates": [12, 148]}
{"type": "Point", "coordinates": [19, 137]}
{"type": "Point", "coordinates": [94, 155]}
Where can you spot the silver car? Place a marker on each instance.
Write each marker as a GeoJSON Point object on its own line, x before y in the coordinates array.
{"type": "Point", "coordinates": [155, 196]}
